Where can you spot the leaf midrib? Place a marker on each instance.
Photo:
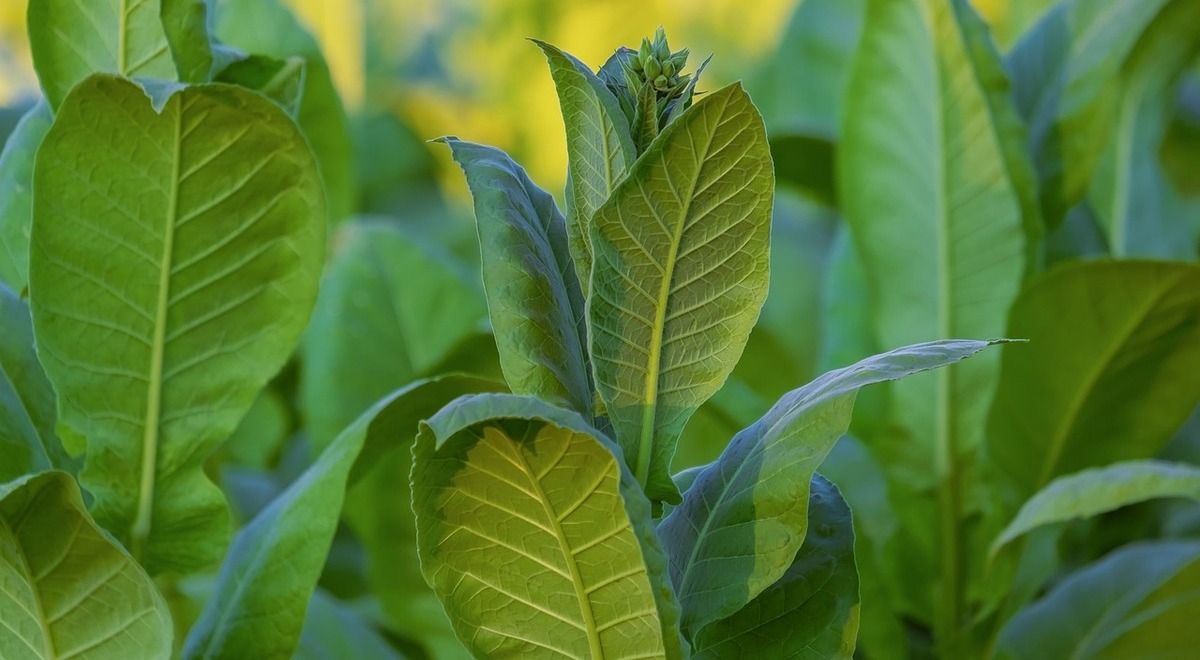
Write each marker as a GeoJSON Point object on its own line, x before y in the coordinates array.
{"type": "Point", "coordinates": [40, 612]}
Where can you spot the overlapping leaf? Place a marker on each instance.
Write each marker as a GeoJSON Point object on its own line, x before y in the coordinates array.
{"type": "Point", "coordinates": [16, 194]}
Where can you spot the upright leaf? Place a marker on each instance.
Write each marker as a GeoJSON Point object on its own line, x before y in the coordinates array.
{"type": "Point", "coordinates": [745, 516]}
{"type": "Point", "coordinates": [72, 39]}
{"type": "Point", "coordinates": [16, 194]}
{"type": "Point", "coordinates": [680, 274]}
{"type": "Point", "coordinates": [27, 440]}
{"type": "Point", "coordinates": [392, 307]}
{"type": "Point", "coordinates": [174, 264]}
{"type": "Point", "coordinates": [1096, 491]}
{"type": "Point", "coordinates": [68, 590]}
{"type": "Point", "coordinates": [1139, 602]}
{"type": "Point", "coordinates": [599, 148]}
{"type": "Point", "coordinates": [535, 536]}
{"type": "Point", "coordinates": [811, 613]}
{"type": "Point", "coordinates": [1111, 371]}
{"type": "Point", "coordinates": [534, 297]}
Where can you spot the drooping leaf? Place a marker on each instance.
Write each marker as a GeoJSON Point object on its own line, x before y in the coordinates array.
{"type": "Point", "coordinates": [742, 521]}
{"type": "Point", "coordinates": [535, 536]}
{"type": "Point", "coordinates": [1091, 492]}
{"type": "Point", "coordinates": [392, 307]}
{"type": "Point", "coordinates": [174, 263]}
{"type": "Point", "coordinates": [185, 26]}
{"type": "Point", "coordinates": [333, 630]}
{"type": "Point", "coordinates": [680, 274]}
{"type": "Point", "coordinates": [1141, 601]}
{"type": "Point", "coordinates": [16, 194]}
{"type": "Point", "coordinates": [534, 298]}
{"type": "Point", "coordinates": [72, 39]}
{"type": "Point", "coordinates": [68, 590]}
{"type": "Point", "coordinates": [599, 148]}
{"type": "Point", "coordinates": [27, 440]}
{"type": "Point", "coordinates": [812, 611]}
{"type": "Point", "coordinates": [1124, 341]}
{"type": "Point", "coordinates": [268, 27]}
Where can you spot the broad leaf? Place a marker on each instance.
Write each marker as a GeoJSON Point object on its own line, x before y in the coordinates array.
{"type": "Point", "coordinates": [812, 611]}
{"type": "Point", "coordinates": [68, 590]}
{"type": "Point", "coordinates": [174, 263]}
{"type": "Point", "coordinates": [1124, 342]}
{"type": "Point", "coordinates": [281, 81]}
{"type": "Point", "coordinates": [275, 561]}
{"type": "Point", "coordinates": [16, 194]}
{"type": "Point", "coordinates": [743, 520]}
{"type": "Point", "coordinates": [599, 148]}
{"type": "Point", "coordinates": [392, 307]}
{"type": "Point", "coordinates": [72, 39]}
{"type": "Point", "coordinates": [533, 293]}
{"type": "Point", "coordinates": [680, 274]}
{"type": "Point", "coordinates": [268, 27]}
{"type": "Point", "coordinates": [1142, 601]}
{"type": "Point", "coordinates": [535, 536]}
{"type": "Point", "coordinates": [27, 440]}
{"type": "Point", "coordinates": [1091, 492]}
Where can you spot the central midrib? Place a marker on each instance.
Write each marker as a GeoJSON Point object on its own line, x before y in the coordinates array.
{"type": "Point", "coordinates": [35, 595]}
{"type": "Point", "coordinates": [143, 519]}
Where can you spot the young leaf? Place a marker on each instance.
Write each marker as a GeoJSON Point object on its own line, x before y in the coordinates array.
{"type": "Point", "coordinates": [275, 561]}
{"type": "Point", "coordinates": [174, 263]}
{"type": "Point", "coordinates": [534, 297]}
{"type": "Point", "coordinates": [1091, 492]}
{"type": "Point", "coordinates": [811, 613]}
{"type": "Point", "coordinates": [599, 148]}
{"type": "Point", "coordinates": [16, 194]}
{"type": "Point", "coordinates": [282, 81]}
{"type": "Point", "coordinates": [70, 40]}
{"type": "Point", "coordinates": [69, 590]}
{"type": "Point", "coordinates": [535, 536]}
{"type": "Point", "coordinates": [742, 521]}
{"type": "Point", "coordinates": [1142, 601]}
{"type": "Point", "coordinates": [185, 25]}
{"type": "Point", "coordinates": [392, 307]}
{"type": "Point", "coordinates": [1124, 339]}
{"type": "Point", "coordinates": [27, 440]}
{"type": "Point", "coordinates": [680, 274]}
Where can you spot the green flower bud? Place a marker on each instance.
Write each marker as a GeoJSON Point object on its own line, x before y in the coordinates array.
{"type": "Point", "coordinates": [645, 51]}
{"type": "Point", "coordinates": [662, 84]}
{"type": "Point", "coordinates": [680, 59]}
{"type": "Point", "coordinates": [636, 63]}
{"type": "Point", "coordinates": [661, 50]}
{"type": "Point", "coordinates": [669, 69]}
{"type": "Point", "coordinates": [652, 68]}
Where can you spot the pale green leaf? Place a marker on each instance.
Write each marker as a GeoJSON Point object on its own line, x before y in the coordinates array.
{"type": "Point", "coordinates": [16, 194]}
{"type": "Point", "coordinates": [536, 538]}
{"type": "Point", "coordinates": [599, 148]}
{"type": "Point", "coordinates": [680, 274]}
{"type": "Point", "coordinates": [811, 613]}
{"type": "Point", "coordinates": [534, 298]}
{"type": "Point", "coordinates": [1142, 601]}
{"type": "Point", "coordinates": [27, 440]}
{"type": "Point", "coordinates": [1123, 339]}
{"type": "Point", "coordinates": [392, 307]}
{"type": "Point", "coordinates": [174, 263]}
{"type": "Point", "coordinates": [66, 589]}
{"type": "Point", "coordinates": [72, 39]}
{"type": "Point", "coordinates": [742, 521]}
{"type": "Point", "coordinates": [1091, 492]}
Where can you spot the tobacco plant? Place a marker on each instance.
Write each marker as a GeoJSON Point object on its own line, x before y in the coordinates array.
{"type": "Point", "coordinates": [548, 522]}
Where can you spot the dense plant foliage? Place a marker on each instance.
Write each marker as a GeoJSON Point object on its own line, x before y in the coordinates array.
{"type": "Point", "coordinates": [244, 412]}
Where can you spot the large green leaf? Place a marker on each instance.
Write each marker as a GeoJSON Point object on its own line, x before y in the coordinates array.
{"type": "Point", "coordinates": [268, 27]}
{"type": "Point", "coordinates": [392, 307]}
{"type": "Point", "coordinates": [811, 613]}
{"type": "Point", "coordinates": [680, 274]}
{"type": "Point", "coordinates": [66, 589]}
{"type": "Point", "coordinates": [27, 440]}
{"type": "Point", "coordinates": [599, 148]}
{"type": "Point", "coordinates": [536, 537]}
{"type": "Point", "coordinates": [1142, 601]}
{"type": "Point", "coordinates": [72, 39]}
{"type": "Point", "coordinates": [1111, 371]}
{"type": "Point", "coordinates": [743, 520]}
{"type": "Point", "coordinates": [174, 263]}
{"type": "Point", "coordinates": [1091, 492]}
{"type": "Point", "coordinates": [533, 293]}
{"type": "Point", "coordinates": [1068, 87]}
{"type": "Point", "coordinates": [16, 194]}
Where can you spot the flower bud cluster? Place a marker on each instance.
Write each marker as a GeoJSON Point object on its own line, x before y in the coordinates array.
{"type": "Point", "coordinates": [656, 65]}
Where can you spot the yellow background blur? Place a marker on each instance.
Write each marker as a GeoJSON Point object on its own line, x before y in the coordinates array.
{"type": "Point", "coordinates": [488, 84]}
